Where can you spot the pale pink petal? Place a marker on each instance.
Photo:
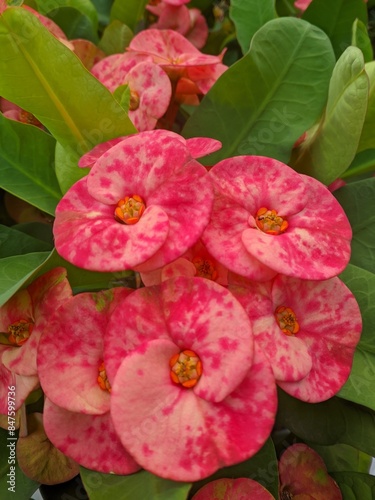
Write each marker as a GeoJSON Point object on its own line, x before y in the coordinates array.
{"type": "Point", "coordinates": [100, 242]}
{"type": "Point", "coordinates": [112, 70]}
{"type": "Point", "coordinates": [199, 30]}
{"type": "Point", "coordinates": [88, 159]}
{"type": "Point", "coordinates": [88, 53]}
{"type": "Point", "coordinates": [176, 435]}
{"type": "Point", "coordinates": [202, 146]}
{"type": "Point", "coordinates": [176, 2]}
{"type": "Point", "coordinates": [174, 17]}
{"type": "Point", "coordinates": [205, 76]}
{"type": "Point", "coordinates": [302, 4]}
{"type": "Point", "coordinates": [154, 89]}
{"type": "Point", "coordinates": [71, 351]}
{"type": "Point", "coordinates": [90, 440]}
{"type": "Point", "coordinates": [179, 267]}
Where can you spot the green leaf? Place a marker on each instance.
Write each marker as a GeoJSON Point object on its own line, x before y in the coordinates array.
{"type": "Point", "coordinates": [327, 423]}
{"type": "Point", "coordinates": [363, 163]}
{"type": "Point", "coordinates": [66, 166]}
{"type": "Point", "coordinates": [13, 242]}
{"type": "Point", "coordinates": [116, 37]}
{"type": "Point", "coordinates": [75, 24]}
{"type": "Point", "coordinates": [263, 103]}
{"type": "Point", "coordinates": [129, 12]}
{"type": "Point", "coordinates": [358, 201]}
{"type": "Point", "coordinates": [330, 148]}
{"type": "Point", "coordinates": [342, 457]}
{"type": "Point", "coordinates": [361, 40]}
{"type": "Point", "coordinates": [367, 140]}
{"type": "Point", "coordinates": [355, 486]}
{"type": "Point", "coordinates": [24, 487]}
{"type": "Point", "coordinates": [336, 18]}
{"type": "Point", "coordinates": [248, 17]}
{"type": "Point", "coordinates": [26, 164]}
{"type": "Point", "coordinates": [38, 230]}
{"type": "Point", "coordinates": [103, 8]}
{"type": "Point", "coordinates": [122, 95]}
{"type": "Point", "coordinates": [143, 484]}
{"type": "Point", "coordinates": [16, 270]}
{"type": "Point", "coordinates": [85, 7]}
{"type": "Point", "coordinates": [41, 75]}
{"type": "Point", "coordinates": [262, 467]}
{"type": "Point", "coordinates": [360, 385]}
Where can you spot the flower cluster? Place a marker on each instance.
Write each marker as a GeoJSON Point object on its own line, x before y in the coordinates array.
{"type": "Point", "coordinates": [241, 294]}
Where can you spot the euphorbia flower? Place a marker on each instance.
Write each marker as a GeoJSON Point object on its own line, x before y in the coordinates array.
{"type": "Point", "coordinates": [180, 59]}
{"type": "Point", "coordinates": [149, 86]}
{"type": "Point", "coordinates": [233, 489]}
{"type": "Point", "coordinates": [143, 204]}
{"type": "Point", "coordinates": [268, 219]}
{"type": "Point", "coordinates": [74, 379]}
{"type": "Point", "coordinates": [22, 321]}
{"type": "Point", "coordinates": [188, 385]}
{"type": "Point", "coordinates": [308, 330]}
{"type": "Point", "coordinates": [303, 474]}
{"type": "Point", "coordinates": [14, 112]}
{"type": "Point", "coordinates": [195, 262]}
{"type": "Point", "coordinates": [188, 22]}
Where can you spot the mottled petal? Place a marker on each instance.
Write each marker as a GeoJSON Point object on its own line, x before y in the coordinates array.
{"type": "Point", "coordinates": [197, 437]}
{"type": "Point", "coordinates": [112, 70]}
{"type": "Point", "coordinates": [233, 489]}
{"type": "Point", "coordinates": [88, 159]}
{"type": "Point", "coordinates": [202, 146]}
{"type": "Point", "coordinates": [90, 440]}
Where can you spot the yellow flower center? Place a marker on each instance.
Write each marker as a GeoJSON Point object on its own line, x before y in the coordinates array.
{"type": "Point", "coordinates": [186, 368]}
{"type": "Point", "coordinates": [130, 209]}
{"type": "Point", "coordinates": [269, 222]}
{"type": "Point", "coordinates": [287, 320]}
{"type": "Point", "coordinates": [102, 379]}
{"type": "Point", "coordinates": [205, 268]}
{"type": "Point", "coordinates": [20, 331]}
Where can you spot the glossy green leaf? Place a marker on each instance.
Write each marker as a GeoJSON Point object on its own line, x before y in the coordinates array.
{"type": "Point", "coordinates": [24, 487]}
{"type": "Point", "coordinates": [143, 484]}
{"type": "Point", "coordinates": [66, 167]}
{"type": "Point", "coordinates": [85, 7]}
{"type": "Point", "coordinates": [330, 148]}
{"type": "Point", "coordinates": [13, 242]}
{"type": "Point", "coordinates": [75, 24]}
{"type": "Point", "coordinates": [367, 140]}
{"type": "Point", "coordinates": [336, 18]}
{"type": "Point", "coordinates": [262, 467]}
{"type": "Point", "coordinates": [16, 270]}
{"type": "Point", "coordinates": [361, 39]}
{"type": "Point", "coordinates": [77, 109]}
{"type": "Point", "coordinates": [355, 486]}
{"type": "Point", "coordinates": [263, 103]}
{"type": "Point", "coordinates": [327, 423]}
{"type": "Point", "coordinates": [248, 17]}
{"type": "Point", "coordinates": [129, 12]}
{"type": "Point", "coordinates": [285, 7]}
{"type": "Point", "coordinates": [116, 37]}
{"type": "Point", "coordinates": [38, 230]}
{"type": "Point", "coordinates": [122, 95]}
{"type": "Point", "coordinates": [363, 163]}
{"type": "Point", "coordinates": [26, 164]}
{"type": "Point", "coordinates": [103, 8]}
{"type": "Point", "coordinates": [358, 201]}
{"type": "Point", "coordinates": [360, 385]}
{"type": "Point", "coordinates": [342, 457]}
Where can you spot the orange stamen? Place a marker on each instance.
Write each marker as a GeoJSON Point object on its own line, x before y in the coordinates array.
{"type": "Point", "coordinates": [103, 379]}
{"type": "Point", "coordinates": [269, 222]}
{"type": "Point", "coordinates": [205, 268]}
{"type": "Point", "coordinates": [130, 209]}
{"type": "Point", "coordinates": [186, 368]}
{"type": "Point", "coordinates": [287, 320]}
{"type": "Point", "coordinates": [20, 331]}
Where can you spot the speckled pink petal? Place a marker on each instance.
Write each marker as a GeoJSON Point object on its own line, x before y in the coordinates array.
{"type": "Point", "coordinates": [173, 433]}
{"type": "Point", "coordinates": [330, 325]}
{"type": "Point", "coordinates": [112, 70]}
{"type": "Point", "coordinates": [205, 76]}
{"type": "Point", "coordinates": [204, 317]}
{"type": "Point", "coordinates": [71, 351]}
{"type": "Point", "coordinates": [289, 355]}
{"type": "Point", "coordinates": [223, 239]}
{"type": "Point", "coordinates": [90, 440]}
{"type": "Point", "coordinates": [47, 293]}
{"type": "Point", "coordinates": [88, 53]}
{"type": "Point", "coordinates": [16, 308]}
{"type": "Point", "coordinates": [199, 32]}
{"type": "Point", "coordinates": [179, 267]}
{"type": "Point", "coordinates": [154, 89]}
{"type": "Point", "coordinates": [176, 2]}
{"type": "Point", "coordinates": [88, 159]}
{"type": "Point", "coordinates": [174, 17]}
{"type": "Point", "coordinates": [100, 242]}
{"type": "Point", "coordinates": [202, 146]}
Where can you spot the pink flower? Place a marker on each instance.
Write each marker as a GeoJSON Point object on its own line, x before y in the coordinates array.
{"type": "Point", "coordinates": [74, 379]}
{"type": "Point", "coordinates": [188, 22]}
{"type": "Point", "coordinates": [187, 383]}
{"type": "Point", "coordinates": [14, 112]}
{"type": "Point", "coordinates": [179, 58]}
{"type": "Point", "coordinates": [303, 474]}
{"type": "Point", "coordinates": [307, 329]}
{"type": "Point", "coordinates": [268, 219]}
{"type": "Point", "coordinates": [143, 204]}
{"type": "Point", "coordinates": [23, 319]}
{"type": "Point", "coordinates": [149, 86]}
{"type": "Point", "coordinates": [233, 489]}
{"type": "Point", "coordinates": [195, 262]}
